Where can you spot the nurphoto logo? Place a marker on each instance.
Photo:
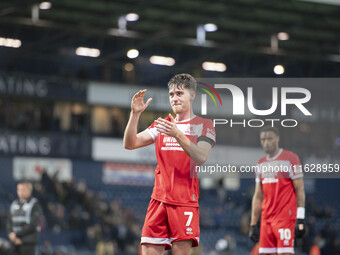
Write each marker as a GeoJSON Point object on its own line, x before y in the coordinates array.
{"type": "Point", "coordinates": [301, 97]}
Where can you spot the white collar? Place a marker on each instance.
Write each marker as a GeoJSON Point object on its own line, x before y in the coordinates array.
{"type": "Point", "coordinates": [275, 156]}
{"type": "Point", "coordinates": [193, 116]}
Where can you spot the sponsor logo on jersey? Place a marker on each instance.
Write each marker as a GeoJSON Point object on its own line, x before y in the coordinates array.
{"type": "Point", "coordinates": [170, 143]}
{"type": "Point", "coordinates": [269, 180]}
{"type": "Point", "coordinates": [189, 231]}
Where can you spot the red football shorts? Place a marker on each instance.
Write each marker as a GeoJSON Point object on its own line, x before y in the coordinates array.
{"type": "Point", "coordinates": [165, 224]}
{"type": "Point", "coordinates": [277, 236]}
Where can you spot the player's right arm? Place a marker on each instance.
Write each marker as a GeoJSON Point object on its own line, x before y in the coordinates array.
{"type": "Point", "coordinates": [256, 204]}
{"type": "Point", "coordinates": [131, 139]}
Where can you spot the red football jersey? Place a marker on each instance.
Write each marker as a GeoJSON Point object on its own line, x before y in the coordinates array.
{"type": "Point", "coordinates": [276, 175]}
{"type": "Point", "coordinates": [174, 183]}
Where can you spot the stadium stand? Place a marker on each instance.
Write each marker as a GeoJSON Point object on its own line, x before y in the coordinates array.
{"type": "Point", "coordinates": [81, 217]}
{"type": "Point", "coordinates": [63, 114]}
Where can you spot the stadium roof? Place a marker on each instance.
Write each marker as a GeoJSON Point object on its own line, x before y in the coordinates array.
{"type": "Point", "coordinates": [246, 29]}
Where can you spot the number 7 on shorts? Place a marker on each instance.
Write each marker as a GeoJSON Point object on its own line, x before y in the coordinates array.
{"type": "Point", "coordinates": [190, 214]}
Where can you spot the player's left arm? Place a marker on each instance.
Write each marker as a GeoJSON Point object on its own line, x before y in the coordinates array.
{"type": "Point", "coordinates": [300, 201]}
{"type": "Point", "coordinates": [198, 152]}
{"type": "Point", "coordinates": [300, 192]}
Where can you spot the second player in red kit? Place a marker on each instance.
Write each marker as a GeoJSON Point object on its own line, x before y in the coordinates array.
{"type": "Point", "coordinates": [279, 197]}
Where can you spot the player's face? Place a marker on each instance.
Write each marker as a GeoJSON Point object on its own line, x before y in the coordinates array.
{"type": "Point", "coordinates": [23, 191]}
{"type": "Point", "coordinates": [180, 99]}
{"type": "Point", "coordinates": [269, 142]}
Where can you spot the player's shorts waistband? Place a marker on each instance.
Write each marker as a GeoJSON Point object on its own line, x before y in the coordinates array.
{"type": "Point", "coordinates": [276, 250]}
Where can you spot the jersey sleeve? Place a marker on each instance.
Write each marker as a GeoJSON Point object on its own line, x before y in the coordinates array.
{"type": "Point", "coordinates": [258, 173]}
{"type": "Point", "coordinates": [208, 133]}
{"type": "Point", "coordinates": [152, 131]}
{"type": "Point", "coordinates": [296, 169]}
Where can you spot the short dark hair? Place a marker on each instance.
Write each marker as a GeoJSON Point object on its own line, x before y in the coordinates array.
{"type": "Point", "coordinates": [183, 80]}
{"type": "Point", "coordinates": [270, 128]}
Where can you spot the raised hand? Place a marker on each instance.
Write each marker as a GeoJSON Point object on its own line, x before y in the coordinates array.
{"type": "Point", "coordinates": [167, 127]}
{"type": "Point", "coordinates": [137, 102]}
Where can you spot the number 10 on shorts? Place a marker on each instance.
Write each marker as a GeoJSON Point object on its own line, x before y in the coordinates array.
{"type": "Point", "coordinates": [285, 233]}
{"type": "Point", "coordinates": [190, 214]}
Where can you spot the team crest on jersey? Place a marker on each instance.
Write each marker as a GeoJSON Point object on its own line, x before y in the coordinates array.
{"type": "Point", "coordinates": [189, 129]}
